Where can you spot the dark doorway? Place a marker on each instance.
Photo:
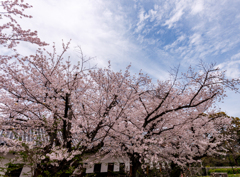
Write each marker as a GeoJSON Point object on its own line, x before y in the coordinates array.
{"type": "Point", "coordinates": [110, 169]}
{"type": "Point", "coordinates": [97, 169]}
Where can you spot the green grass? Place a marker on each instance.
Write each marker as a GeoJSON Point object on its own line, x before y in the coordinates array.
{"type": "Point", "coordinates": [226, 170]}
{"type": "Point", "coordinates": [230, 175]}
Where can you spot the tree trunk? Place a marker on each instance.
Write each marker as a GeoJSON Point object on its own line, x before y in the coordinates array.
{"type": "Point", "coordinates": [37, 171]}
{"type": "Point", "coordinates": [235, 160]}
{"type": "Point", "coordinates": [175, 170]}
{"type": "Point", "coordinates": [136, 166]}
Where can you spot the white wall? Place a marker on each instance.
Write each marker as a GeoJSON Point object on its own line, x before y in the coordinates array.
{"type": "Point", "coordinates": [104, 164]}
{"type": "Point", "coordinates": [26, 171]}
{"type": "Point", "coordinates": [89, 169]}
{"type": "Point", "coordinates": [104, 167]}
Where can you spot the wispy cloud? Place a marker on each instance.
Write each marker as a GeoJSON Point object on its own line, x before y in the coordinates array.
{"type": "Point", "coordinates": [232, 68]}
{"type": "Point", "coordinates": [210, 28]}
{"type": "Point", "coordinates": [197, 7]}
{"type": "Point", "coordinates": [176, 17]}
{"type": "Point", "coordinates": [236, 56]}
{"type": "Point", "coordinates": [99, 27]}
{"type": "Point", "coordinates": [142, 17]}
{"type": "Point", "coordinates": [152, 35]}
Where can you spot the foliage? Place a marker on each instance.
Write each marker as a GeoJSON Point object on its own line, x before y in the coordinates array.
{"type": "Point", "coordinates": [12, 168]}
{"type": "Point", "coordinates": [215, 161]}
{"type": "Point", "coordinates": [233, 144]}
{"type": "Point", "coordinates": [232, 158]}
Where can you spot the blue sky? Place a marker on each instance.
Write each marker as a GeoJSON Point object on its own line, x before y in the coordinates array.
{"type": "Point", "coordinates": [152, 35]}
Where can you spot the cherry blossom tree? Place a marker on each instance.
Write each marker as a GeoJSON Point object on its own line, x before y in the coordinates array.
{"type": "Point", "coordinates": [168, 121]}
{"type": "Point", "coordinates": [61, 113]}
{"type": "Point", "coordinates": [11, 32]}
{"type": "Point", "coordinates": [43, 105]}
{"type": "Point", "coordinates": [67, 111]}
{"type": "Point", "coordinates": [70, 112]}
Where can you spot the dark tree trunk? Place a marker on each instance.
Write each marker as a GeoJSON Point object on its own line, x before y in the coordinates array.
{"type": "Point", "coordinates": [235, 160]}
{"type": "Point", "coordinates": [136, 166]}
{"type": "Point", "coordinates": [175, 170]}
{"type": "Point", "coordinates": [37, 171]}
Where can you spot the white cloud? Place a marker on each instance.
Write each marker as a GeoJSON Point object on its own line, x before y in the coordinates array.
{"type": "Point", "coordinates": [195, 38]}
{"type": "Point", "coordinates": [107, 13]}
{"type": "Point", "coordinates": [176, 11]}
{"type": "Point", "coordinates": [236, 56]}
{"type": "Point", "coordinates": [152, 35]}
{"type": "Point", "coordinates": [209, 31]}
{"type": "Point", "coordinates": [98, 26]}
{"type": "Point", "coordinates": [175, 43]}
{"type": "Point", "coordinates": [142, 16]}
{"type": "Point", "coordinates": [174, 18]}
{"type": "Point", "coordinates": [197, 7]}
{"type": "Point", "coordinates": [232, 68]}
{"type": "Point", "coordinates": [152, 14]}
{"type": "Point", "coordinates": [231, 104]}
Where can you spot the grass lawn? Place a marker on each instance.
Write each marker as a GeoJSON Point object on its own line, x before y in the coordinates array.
{"type": "Point", "coordinates": [230, 175]}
